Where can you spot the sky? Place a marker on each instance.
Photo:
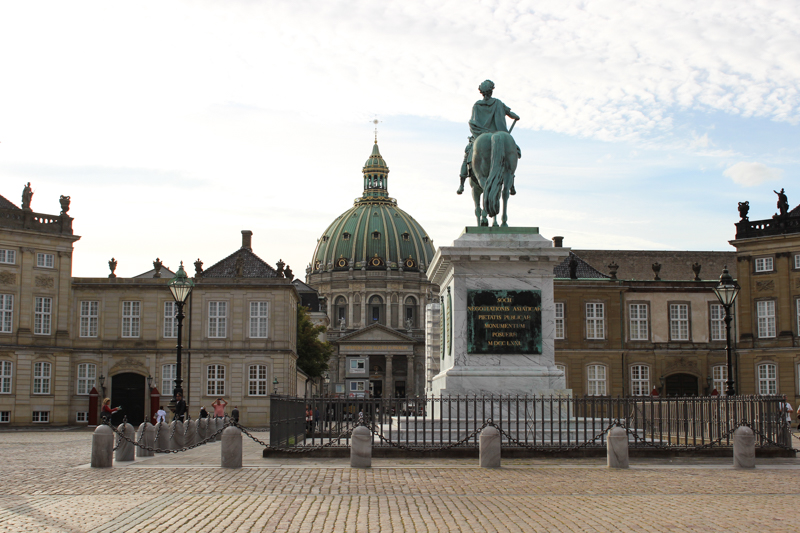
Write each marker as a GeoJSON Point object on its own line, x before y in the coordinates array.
{"type": "Point", "coordinates": [175, 125]}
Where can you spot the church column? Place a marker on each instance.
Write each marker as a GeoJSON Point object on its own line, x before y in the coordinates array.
{"type": "Point", "coordinates": [364, 305]}
{"type": "Point", "coordinates": [410, 388]}
{"type": "Point", "coordinates": [350, 305]}
{"type": "Point", "coordinates": [388, 380]}
{"type": "Point", "coordinates": [342, 363]}
{"type": "Point", "coordinates": [388, 299]}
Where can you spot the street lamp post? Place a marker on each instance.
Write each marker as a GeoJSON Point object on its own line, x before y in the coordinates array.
{"type": "Point", "coordinates": [275, 385]}
{"type": "Point", "coordinates": [180, 286]}
{"type": "Point", "coordinates": [327, 380]}
{"type": "Point", "coordinates": [726, 292]}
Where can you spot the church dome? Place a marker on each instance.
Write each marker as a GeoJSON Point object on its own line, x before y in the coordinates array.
{"type": "Point", "coordinates": [374, 234]}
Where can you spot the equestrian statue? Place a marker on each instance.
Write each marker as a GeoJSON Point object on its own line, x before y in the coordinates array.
{"type": "Point", "coordinates": [490, 158]}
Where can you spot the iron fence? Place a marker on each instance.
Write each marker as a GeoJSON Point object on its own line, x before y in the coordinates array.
{"type": "Point", "coordinates": [532, 422]}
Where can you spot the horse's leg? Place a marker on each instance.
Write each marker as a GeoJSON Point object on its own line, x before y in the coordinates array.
{"type": "Point", "coordinates": [505, 206]}
{"type": "Point", "coordinates": [476, 197]}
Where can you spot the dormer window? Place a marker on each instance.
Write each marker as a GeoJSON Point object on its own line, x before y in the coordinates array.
{"type": "Point", "coordinates": [376, 235]}
{"type": "Point", "coordinates": [346, 236]}
{"type": "Point", "coordinates": [425, 238]}
{"type": "Point", "coordinates": [405, 236]}
{"type": "Point", "coordinates": [324, 238]}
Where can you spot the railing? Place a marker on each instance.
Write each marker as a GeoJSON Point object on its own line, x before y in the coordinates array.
{"type": "Point", "coordinates": [19, 219]}
{"type": "Point", "coordinates": [548, 423]}
{"type": "Point", "coordinates": [770, 226]}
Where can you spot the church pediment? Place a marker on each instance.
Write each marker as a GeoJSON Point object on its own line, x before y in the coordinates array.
{"type": "Point", "coordinates": [376, 333]}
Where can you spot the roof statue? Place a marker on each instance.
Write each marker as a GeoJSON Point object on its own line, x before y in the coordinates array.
{"type": "Point", "coordinates": [27, 196]}
{"type": "Point", "coordinates": [490, 158]}
{"type": "Point", "coordinates": [783, 203]}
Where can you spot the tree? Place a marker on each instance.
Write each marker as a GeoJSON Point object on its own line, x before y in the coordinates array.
{"type": "Point", "coordinates": [312, 353]}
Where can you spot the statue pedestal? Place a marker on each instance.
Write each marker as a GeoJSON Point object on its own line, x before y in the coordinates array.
{"type": "Point", "coordinates": [497, 314]}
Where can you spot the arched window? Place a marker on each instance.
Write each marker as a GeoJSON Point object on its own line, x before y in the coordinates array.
{"type": "Point", "coordinates": [640, 380]}
{"type": "Point", "coordinates": [768, 378]}
{"type": "Point", "coordinates": [375, 310]}
{"type": "Point", "coordinates": [340, 311]}
{"type": "Point", "coordinates": [596, 380]}
{"type": "Point", "coordinates": [410, 313]}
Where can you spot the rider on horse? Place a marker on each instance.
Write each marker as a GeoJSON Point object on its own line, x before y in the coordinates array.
{"type": "Point", "coordinates": [488, 115]}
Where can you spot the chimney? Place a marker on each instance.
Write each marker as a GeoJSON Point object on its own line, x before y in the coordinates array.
{"type": "Point", "coordinates": [558, 242]}
{"type": "Point", "coordinates": [247, 237]}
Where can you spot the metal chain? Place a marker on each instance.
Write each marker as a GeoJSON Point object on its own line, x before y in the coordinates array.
{"type": "Point", "coordinates": [553, 449]}
{"type": "Point", "coordinates": [769, 440]}
{"type": "Point", "coordinates": [158, 430]}
{"type": "Point", "coordinates": [144, 430]}
{"type": "Point", "coordinates": [297, 449]}
{"type": "Point", "coordinates": [159, 450]}
{"type": "Point", "coordinates": [174, 427]}
{"type": "Point", "coordinates": [423, 449]}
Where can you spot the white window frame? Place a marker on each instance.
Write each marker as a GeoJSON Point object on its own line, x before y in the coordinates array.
{"type": "Point", "coordinates": [215, 380]}
{"type": "Point", "coordinates": [5, 417]}
{"type": "Point", "coordinates": [40, 417]}
{"type": "Point", "coordinates": [360, 385]}
{"type": "Point", "coordinates": [43, 315]}
{"type": "Point", "coordinates": [797, 261]}
{"type": "Point", "coordinates": [6, 376]}
{"type": "Point", "coordinates": [131, 318]}
{"type": "Point", "coordinates": [259, 320]}
{"type": "Point", "coordinates": [358, 366]}
{"type": "Point", "coordinates": [8, 257]}
{"type": "Point", "coordinates": [82, 416]}
{"type": "Point", "coordinates": [638, 326]}
{"type": "Point", "coordinates": [559, 320]}
{"type": "Point", "coordinates": [767, 375]}
{"type": "Point", "coordinates": [719, 378]}
{"type": "Point", "coordinates": [217, 319]}
{"type": "Point", "coordinates": [797, 309]}
{"type": "Point", "coordinates": [169, 372]}
{"type": "Point", "coordinates": [42, 375]}
{"type": "Point", "coordinates": [257, 383]}
{"type": "Point", "coordinates": [87, 373]}
{"type": "Point", "coordinates": [170, 322]}
{"type": "Point", "coordinates": [764, 264]}
{"type": "Point", "coordinates": [44, 260]}
{"type": "Point", "coordinates": [765, 313]}
{"type": "Point", "coordinates": [717, 322]}
{"type": "Point", "coordinates": [679, 322]}
{"type": "Point", "coordinates": [90, 318]}
{"type": "Point", "coordinates": [595, 320]}
{"type": "Point", "coordinates": [596, 380]}
{"type": "Point", "coordinates": [6, 313]}
{"type": "Point", "coordinates": [640, 380]}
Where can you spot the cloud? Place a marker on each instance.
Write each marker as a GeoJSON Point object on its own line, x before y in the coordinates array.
{"type": "Point", "coordinates": [751, 174]}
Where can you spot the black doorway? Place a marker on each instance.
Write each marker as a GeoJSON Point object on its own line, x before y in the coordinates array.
{"type": "Point", "coordinates": [127, 390]}
{"type": "Point", "coordinates": [376, 388]}
{"type": "Point", "coordinates": [681, 385]}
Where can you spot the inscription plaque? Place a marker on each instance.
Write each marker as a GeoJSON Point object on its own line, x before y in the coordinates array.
{"type": "Point", "coordinates": [504, 322]}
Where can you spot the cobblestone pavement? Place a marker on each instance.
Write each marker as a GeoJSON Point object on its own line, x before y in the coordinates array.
{"type": "Point", "coordinates": [48, 486]}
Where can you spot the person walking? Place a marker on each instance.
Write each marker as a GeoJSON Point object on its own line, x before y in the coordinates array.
{"type": "Point", "coordinates": [203, 412]}
{"type": "Point", "coordinates": [219, 407]}
{"type": "Point", "coordinates": [235, 414]}
{"type": "Point", "coordinates": [107, 411]}
{"type": "Point", "coordinates": [161, 414]}
{"type": "Point", "coordinates": [786, 411]}
{"type": "Point", "coordinates": [180, 407]}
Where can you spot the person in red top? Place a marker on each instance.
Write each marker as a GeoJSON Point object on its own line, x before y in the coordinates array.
{"type": "Point", "coordinates": [219, 407]}
{"type": "Point", "coordinates": [107, 410]}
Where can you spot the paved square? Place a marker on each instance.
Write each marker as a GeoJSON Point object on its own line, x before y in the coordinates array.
{"type": "Point", "coordinates": [48, 486]}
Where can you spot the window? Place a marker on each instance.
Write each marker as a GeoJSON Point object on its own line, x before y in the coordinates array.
{"type": "Point", "coordinates": [764, 264]}
{"type": "Point", "coordinates": [595, 321]}
{"type": "Point", "coordinates": [767, 379]}
{"type": "Point", "coordinates": [6, 373]}
{"type": "Point", "coordinates": [797, 261]}
{"type": "Point", "coordinates": [375, 304]}
{"type": "Point", "coordinates": [258, 380]}
{"type": "Point", "coordinates": [168, 374]}
{"type": "Point", "coordinates": [358, 386]}
{"type": "Point", "coordinates": [719, 375]}
{"type": "Point", "coordinates": [638, 322]}
{"type": "Point", "coordinates": [717, 322]}
{"type": "Point", "coordinates": [765, 311]}
{"type": "Point", "coordinates": [340, 312]}
{"type": "Point", "coordinates": [45, 260]}
{"type": "Point", "coordinates": [640, 380]}
{"type": "Point", "coordinates": [217, 319]}
{"type": "Point", "coordinates": [82, 416]}
{"type": "Point", "coordinates": [410, 320]}
{"type": "Point", "coordinates": [5, 417]}
{"type": "Point", "coordinates": [259, 319]}
{"type": "Point", "coordinates": [8, 257]}
{"type": "Point", "coordinates": [170, 322]}
{"type": "Point", "coordinates": [358, 366]}
{"type": "Point", "coordinates": [216, 380]}
{"type": "Point", "coordinates": [86, 375]}
{"type": "Point", "coordinates": [797, 305]}
{"type": "Point", "coordinates": [679, 322]}
{"type": "Point", "coordinates": [562, 368]}
{"type": "Point", "coordinates": [597, 380]}
{"type": "Point", "coordinates": [41, 316]}
{"type": "Point", "coordinates": [41, 417]}
{"type": "Point", "coordinates": [130, 318]}
{"type": "Point", "coordinates": [89, 319]}
{"type": "Point", "coordinates": [559, 320]}
{"type": "Point", "coordinates": [6, 312]}
{"type": "Point", "coordinates": [41, 378]}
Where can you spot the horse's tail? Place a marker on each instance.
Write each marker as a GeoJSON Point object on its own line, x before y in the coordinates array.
{"type": "Point", "coordinates": [494, 182]}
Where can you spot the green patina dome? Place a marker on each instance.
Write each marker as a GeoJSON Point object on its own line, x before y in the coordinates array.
{"type": "Point", "coordinates": [374, 234]}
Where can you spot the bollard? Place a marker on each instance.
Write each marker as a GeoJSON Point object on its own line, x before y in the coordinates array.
{"type": "Point", "coordinates": [125, 450]}
{"type": "Point", "coordinates": [149, 440]}
{"type": "Point", "coordinates": [744, 448]}
{"type": "Point", "coordinates": [231, 448]}
{"type": "Point", "coordinates": [201, 429]}
{"type": "Point", "coordinates": [177, 436]}
{"type": "Point", "coordinates": [102, 447]}
{"type": "Point", "coordinates": [163, 436]}
{"type": "Point", "coordinates": [141, 429]}
{"type": "Point", "coordinates": [190, 432]}
{"type": "Point", "coordinates": [361, 448]}
{"type": "Point", "coordinates": [617, 448]}
{"type": "Point", "coordinates": [490, 447]}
